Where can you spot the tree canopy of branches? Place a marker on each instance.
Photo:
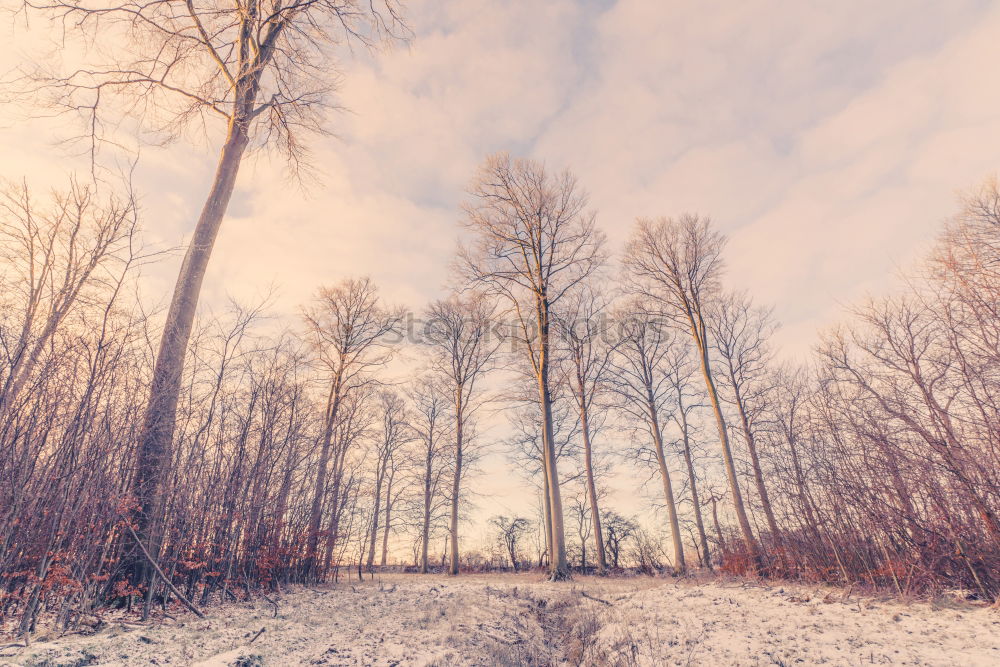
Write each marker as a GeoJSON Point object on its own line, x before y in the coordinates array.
{"type": "Point", "coordinates": [677, 265]}
{"type": "Point", "coordinates": [462, 351]}
{"type": "Point", "coordinates": [532, 243]}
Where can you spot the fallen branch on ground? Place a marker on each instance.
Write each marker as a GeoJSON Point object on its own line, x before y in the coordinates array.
{"type": "Point", "coordinates": [595, 599]}
{"type": "Point", "coordinates": [156, 568]}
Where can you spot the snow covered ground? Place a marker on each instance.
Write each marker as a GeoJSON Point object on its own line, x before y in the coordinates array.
{"type": "Point", "coordinates": [520, 620]}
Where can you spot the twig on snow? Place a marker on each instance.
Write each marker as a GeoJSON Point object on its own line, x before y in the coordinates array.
{"type": "Point", "coordinates": [595, 599]}
{"type": "Point", "coordinates": [275, 605]}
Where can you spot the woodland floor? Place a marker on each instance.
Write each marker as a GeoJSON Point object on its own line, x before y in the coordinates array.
{"type": "Point", "coordinates": [521, 620]}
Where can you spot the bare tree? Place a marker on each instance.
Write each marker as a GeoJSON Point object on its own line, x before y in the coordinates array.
{"type": "Point", "coordinates": [619, 530]}
{"type": "Point", "coordinates": [680, 371]}
{"type": "Point", "coordinates": [583, 329]}
{"type": "Point", "coordinates": [54, 255]}
{"type": "Point", "coordinates": [641, 380]}
{"type": "Point", "coordinates": [259, 69]}
{"type": "Point", "coordinates": [430, 403]}
{"type": "Point", "coordinates": [509, 533]}
{"type": "Point", "coordinates": [580, 510]}
{"type": "Point", "coordinates": [676, 264]}
{"type": "Point", "coordinates": [393, 435]}
{"type": "Point", "coordinates": [740, 333]}
{"type": "Point", "coordinates": [347, 327]}
{"type": "Point", "coordinates": [533, 242]}
{"type": "Point", "coordinates": [459, 333]}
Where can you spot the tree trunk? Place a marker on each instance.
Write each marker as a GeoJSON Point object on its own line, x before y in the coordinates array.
{"type": "Point", "coordinates": [155, 440]}
{"type": "Point", "coordinates": [319, 490]}
{"type": "Point", "coordinates": [425, 533]}
{"type": "Point", "coordinates": [668, 491]}
{"type": "Point", "coordinates": [595, 513]}
{"type": "Point", "coordinates": [558, 566]}
{"type": "Point", "coordinates": [388, 523]}
{"type": "Point", "coordinates": [693, 480]}
{"type": "Point", "coordinates": [375, 517]}
{"type": "Point", "coordinates": [456, 482]}
{"type": "Point", "coordinates": [546, 521]}
{"type": "Point", "coordinates": [331, 537]}
{"type": "Point", "coordinates": [699, 334]}
{"type": "Point", "coordinates": [758, 473]}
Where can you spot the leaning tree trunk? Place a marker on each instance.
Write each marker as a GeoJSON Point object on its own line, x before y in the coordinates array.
{"type": "Point", "coordinates": [154, 450]}
{"type": "Point", "coordinates": [758, 473]}
{"type": "Point", "coordinates": [693, 480]}
{"type": "Point", "coordinates": [668, 489]}
{"type": "Point", "coordinates": [699, 334]}
{"type": "Point", "coordinates": [456, 482]}
{"type": "Point", "coordinates": [311, 571]}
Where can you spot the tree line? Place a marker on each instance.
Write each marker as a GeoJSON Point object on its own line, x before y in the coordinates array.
{"type": "Point", "coordinates": [302, 457]}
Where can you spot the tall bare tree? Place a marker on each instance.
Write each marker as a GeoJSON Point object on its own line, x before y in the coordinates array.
{"type": "Point", "coordinates": [464, 347]}
{"type": "Point", "coordinates": [583, 331]}
{"type": "Point", "coordinates": [430, 409]}
{"type": "Point", "coordinates": [347, 327]}
{"type": "Point", "coordinates": [532, 242]}
{"type": "Point", "coordinates": [256, 71]}
{"type": "Point", "coordinates": [676, 264]}
{"type": "Point", "coordinates": [389, 441]}
{"type": "Point", "coordinates": [740, 333]}
{"type": "Point", "coordinates": [680, 371]}
{"type": "Point", "coordinates": [641, 379]}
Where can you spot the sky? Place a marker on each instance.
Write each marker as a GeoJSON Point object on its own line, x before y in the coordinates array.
{"type": "Point", "coordinates": [828, 140]}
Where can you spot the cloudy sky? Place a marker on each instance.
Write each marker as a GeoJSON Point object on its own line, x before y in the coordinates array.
{"type": "Point", "coordinates": [827, 139]}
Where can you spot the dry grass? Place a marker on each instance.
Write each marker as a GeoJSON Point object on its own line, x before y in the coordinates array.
{"type": "Point", "coordinates": [524, 620]}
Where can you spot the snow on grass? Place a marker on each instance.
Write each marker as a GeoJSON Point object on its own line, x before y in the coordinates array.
{"type": "Point", "coordinates": [520, 620]}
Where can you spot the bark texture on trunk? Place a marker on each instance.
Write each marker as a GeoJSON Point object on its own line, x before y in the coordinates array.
{"type": "Point", "coordinates": [558, 565]}
{"type": "Point", "coordinates": [155, 440]}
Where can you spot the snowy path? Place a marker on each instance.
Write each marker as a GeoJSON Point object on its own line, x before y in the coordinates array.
{"type": "Point", "coordinates": [413, 620]}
